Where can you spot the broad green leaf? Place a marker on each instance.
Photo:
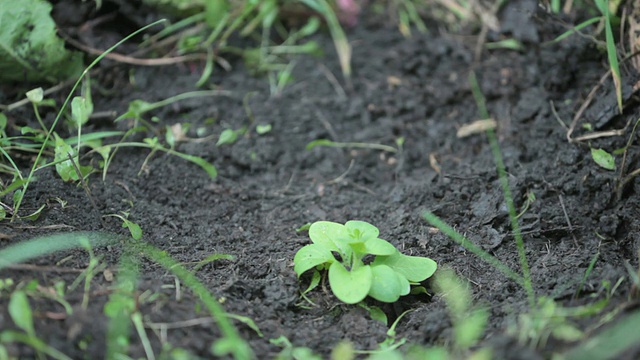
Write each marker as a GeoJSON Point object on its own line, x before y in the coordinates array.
{"type": "Point", "coordinates": [310, 256]}
{"type": "Point", "coordinates": [377, 246]}
{"type": "Point", "coordinates": [350, 286]}
{"type": "Point", "coordinates": [603, 158]}
{"type": "Point", "coordinates": [375, 312]}
{"type": "Point", "coordinates": [20, 312]}
{"type": "Point", "coordinates": [414, 268]}
{"type": "Point", "coordinates": [330, 235]}
{"type": "Point", "coordinates": [387, 285]}
{"type": "Point", "coordinates": [29, 47]}
{"type": "Point", "coordinates": [362, 230]}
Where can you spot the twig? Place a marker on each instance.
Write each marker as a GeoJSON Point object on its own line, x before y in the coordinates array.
{"type": "Point", "coordinates": [334, 81]}
{"type": "Point", "coordinates": [566, 217]}
{"type": "Point", "coordinates": [30, 267]}
{"type": "Point", "coordinates": [135, 61]}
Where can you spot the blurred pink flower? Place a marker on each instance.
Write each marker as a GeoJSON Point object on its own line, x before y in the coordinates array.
{"type": "Point", "coordinates": [348, 11]}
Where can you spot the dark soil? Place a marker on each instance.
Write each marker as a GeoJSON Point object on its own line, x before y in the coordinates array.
{"type": "Point", "coordinates": [269, 185]}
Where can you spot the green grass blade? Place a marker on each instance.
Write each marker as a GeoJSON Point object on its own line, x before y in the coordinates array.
{"type": "Point", "coordinates": [611, 51]}
{"type": "Point", "coordinates": [343, 48]}
{"type": "Point", "coordinates": [9, 336]}
{"type": "Point", "coordinates": [475, 249]}
{"type": "Point", "coordinates": [592, 263]}
{"type": "Point", "coordinates": [575, 29]}
{"type": "Point", "coordinates": [232, 340]}
{"type": "Point", "coordinates": [206, 166]}
{"type": "Point", "coordinates": [46, 245]}
{"type": "Point", "coordinates": [504, 181]}
{"type": "Point", "coordinates": [121, 304]}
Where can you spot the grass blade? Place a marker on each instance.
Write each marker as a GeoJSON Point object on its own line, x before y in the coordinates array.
{"type": "Point", "coordinates": [504, 181]}
{"type": "Point", "coordinates": [232, 340]}
{"type": "Point", "coordinates": [475, 249]}
{"type": "Point", "coordinates": [46, 245]}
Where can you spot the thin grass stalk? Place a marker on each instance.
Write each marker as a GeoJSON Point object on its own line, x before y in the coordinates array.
{"type": "Point", "coordinates": [504, 181]}
{"type": "Point", "coordinates": [232, 340]}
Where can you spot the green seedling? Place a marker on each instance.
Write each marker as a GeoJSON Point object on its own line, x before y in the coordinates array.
{"type": "Point", "coordinates": [134, 229]}
{"type": "Point", "coordinates": [290, 352]}
{"type": "Point", "coordinates": [229, 136]}
{"type": "Point", "coordinates": [604, 159]}
{"type": "Point", "coordinates": [529, 198]}
{"type": "Point", "coordinates": [389, 276]}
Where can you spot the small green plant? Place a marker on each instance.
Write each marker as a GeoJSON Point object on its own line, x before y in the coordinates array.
{"type": "Point", "coordinates": [386, 278]}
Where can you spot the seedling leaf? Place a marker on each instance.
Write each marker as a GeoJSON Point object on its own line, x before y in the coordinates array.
{"type": "Point", "coordinates": [35, 95]}
{"type": "Point", "coordinates": [387, 285]}
{"type": "Point", "coordinates": [323, 233]}
{"type": "Point", "coordinates": [20, 312]}
{"type": "Point", "coordinates": [81, 109]}
{"type": "Point", "coordinates": [378, 246]}
{"type": "Point", "coordinates": [362, 230]}
{"type": "Point", "coordinates": [413, 268]}
{"type": "Point", "coordinates": [64, 167]}
{"type": "Point", "coordinates": [134, 229]}
{"type": "Point", "coordinates": [263, 129]}
{"type": "Point", "coordinates": [603, 159]}
{"type": "Point", "coordinates": [352, 286]}
{"type": "Point", "coordinates": [209, 168]}
{"type": "Point", "coordinates": [311, 256]}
